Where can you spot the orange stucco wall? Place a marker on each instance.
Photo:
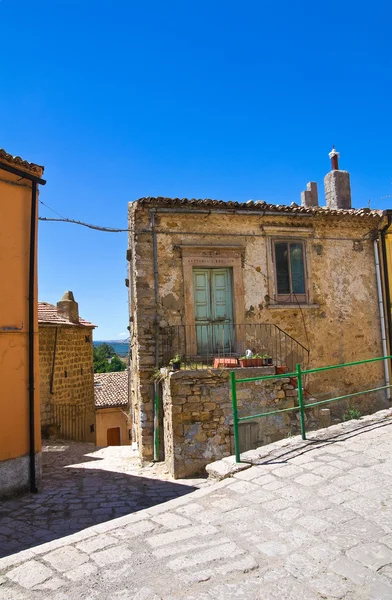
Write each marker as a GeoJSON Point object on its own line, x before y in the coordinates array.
{"type": "Point", "coordinates": [112, 417]}
{"type": "Point", "coordinates": [15, 210]}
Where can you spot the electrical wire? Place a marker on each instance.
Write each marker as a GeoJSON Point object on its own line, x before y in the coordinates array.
{"type": "Point", "coordinates": [97, 227]}
{"type": "Point", "coordinates": [63, 219]}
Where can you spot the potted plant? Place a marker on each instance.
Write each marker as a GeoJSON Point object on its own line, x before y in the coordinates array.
{"type": "Point", "coordinates": [175, 363]}
{"type": "Point", "coordinates": [265, 359]}
{"type": "Point", "coordinates": [255, 361]}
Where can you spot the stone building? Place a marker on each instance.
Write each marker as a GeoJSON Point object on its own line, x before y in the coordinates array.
{"type": "Point", "coordinates": [209, 279]}
{"type": "Point", "coordinates": [66, 370]}
{"type": "Point", "coordinates": [112, 409]}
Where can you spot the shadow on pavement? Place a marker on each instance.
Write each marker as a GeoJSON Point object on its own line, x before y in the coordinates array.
{"type": "Point", "coordinates": [75, 497]}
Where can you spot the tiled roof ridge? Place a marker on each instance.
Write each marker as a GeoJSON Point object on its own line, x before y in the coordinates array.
{"type": "Point", "coordinates": [111, 389]}
{"type": "Point", "coordinates": [48, 315]}
{"type": "Point", "coordinates": [19, 162]}
{"type": "Point", "coordinates": [258, 205]}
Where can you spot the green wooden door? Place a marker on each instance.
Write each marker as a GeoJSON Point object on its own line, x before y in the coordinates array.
{"type": "Point", "coordinates": [213, 303]}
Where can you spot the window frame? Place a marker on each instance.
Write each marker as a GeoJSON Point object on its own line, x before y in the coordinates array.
{"type": "Point", "coordinates": [292, 298]}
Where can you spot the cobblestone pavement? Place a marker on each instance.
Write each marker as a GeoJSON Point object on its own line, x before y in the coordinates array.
{"type": "Point", "coordinates": [84, 486]}
{"type": "Point", "coordinates": [311, 521]}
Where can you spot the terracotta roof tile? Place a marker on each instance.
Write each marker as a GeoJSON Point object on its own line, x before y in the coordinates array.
{"type": "Point", "coordinates": [111, 389]}
{"type": "Point", "coordinates": [20, 163]}
{"type": "Point", "coordinates": [47, 315]}
{"type": "Point", "coordinates": [259, 205]}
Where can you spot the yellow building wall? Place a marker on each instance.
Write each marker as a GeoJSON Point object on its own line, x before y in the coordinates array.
{"type": "Point", "coordinates": [107, 418]}
{"type": "Point", "coordinates": [15, 202]}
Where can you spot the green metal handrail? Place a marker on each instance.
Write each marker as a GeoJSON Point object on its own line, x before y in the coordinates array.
{"type": "Point", "coordinates": [301, 405]}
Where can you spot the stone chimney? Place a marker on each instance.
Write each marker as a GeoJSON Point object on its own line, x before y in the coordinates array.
{"type": "Point", "coordinates": [337, 185]}
{"type": "Point", "coordinates": [68, 308]}
{"type": "Point", "coordinates": [309, 198]}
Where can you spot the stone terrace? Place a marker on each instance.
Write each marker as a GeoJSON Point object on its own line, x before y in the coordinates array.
{"type": "Point", "coordinates": [311, 521]}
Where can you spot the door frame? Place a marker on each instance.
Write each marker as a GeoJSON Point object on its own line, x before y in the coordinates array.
{"type": "Point", "coordinates": [211, 257]}
{"type": "Point", "coordinates": [213, 326]}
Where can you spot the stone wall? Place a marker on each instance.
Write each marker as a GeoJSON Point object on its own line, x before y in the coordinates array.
{"type": "Point", "coordinates": [70, 369]}
{"type": "Point", "coordinates": [198, 415]}
{"type": "Point", "coordinates": [339, 323]}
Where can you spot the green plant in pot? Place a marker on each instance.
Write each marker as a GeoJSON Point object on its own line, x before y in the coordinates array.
{"type": "Point", "coordinates": [175, 363]}
{"type": "Point", "coordinates": [255, 360]}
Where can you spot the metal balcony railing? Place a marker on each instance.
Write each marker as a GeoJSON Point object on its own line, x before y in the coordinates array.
{"type": "Point", "coordinates": [220, 344]}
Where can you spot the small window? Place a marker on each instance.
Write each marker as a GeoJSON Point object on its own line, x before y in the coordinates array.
{"type": "Point", "coordinates": [290, 271]}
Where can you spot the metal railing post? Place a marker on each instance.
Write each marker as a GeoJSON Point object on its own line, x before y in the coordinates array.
{"type": "Point", "coordinates": [235, 416]}
{"type": "Point", "coordinates": [301, 402]}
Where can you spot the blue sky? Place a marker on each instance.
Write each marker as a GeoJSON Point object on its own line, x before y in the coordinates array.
{"type": "Point", "coordinates": [214, 99]}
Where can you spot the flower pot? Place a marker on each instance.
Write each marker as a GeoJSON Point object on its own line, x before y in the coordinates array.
{"type": "Point", "coordinates": [176, 366]}
{"type": "Point", "coordinates": [251, 362]}
{"type": "Point", "coordinates": [265, 361]}
{"type": "Point", "coordinates": [269, 360]}
{"type": "Point", "coordinates": [222, 362]}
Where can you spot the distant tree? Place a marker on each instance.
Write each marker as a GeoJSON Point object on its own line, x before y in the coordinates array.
{"type": "Point", "coordinates": [101, 354]}
{"type": "Point", "coordinates": [116, 364]}
{"type": "Point", "coordinates": [104, 351]}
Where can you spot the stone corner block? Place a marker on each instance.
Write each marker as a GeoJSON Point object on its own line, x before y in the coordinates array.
{"type": "Point", "coordinates": [226, 467]}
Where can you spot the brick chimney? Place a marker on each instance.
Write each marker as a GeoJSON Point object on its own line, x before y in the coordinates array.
{"type": "Point", "coordinates": [337, 185]}
{"type": "Point", "coordinates": [68, 308]}
{"type": "Point", "coordinates": [309, 197]}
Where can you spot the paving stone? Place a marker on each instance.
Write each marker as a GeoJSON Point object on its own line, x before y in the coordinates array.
{"type": "Point", "coordinates": [225, 504]}
{"type": "Point", "coordinates": [352, 570]}
{"type": "Point", "coordinates": [96, 543]}
{"type": "Point", "coordinates": [240, 565]}
{"type": "Point", "coordinates": [380, 591]}
{"type": "Point", "coordinates": [276, 505]}
{"type": "Point", "coordinates": [51, 584]}
{"type": "Point", "coordinates": [349, 534]}
{"type": "Point", "coordinates": [243, 487]}
{"type": "Point", "coordinates": [327, 471]}
{"type": "Point", "coordinates": [29, 574]}
{"type": "Point", "coordinates": [302, 566]}
{"type": "Point", "coordinates": [66, 558]}
{"type": "Point", "coordinates": [111, 556]}
{"type": "Point", "coordinates": [289, 514]}
{"type": "Point", "coordinates": [273, 548]}
{"type": "Point", "coordinates": [372, 555]}
{"type": "Point", "coordinates": [288, 471]}
{"type": "Point", "coordinates": [194, 559]}
{"type": "Point", "coordinates": [82, 572]}
{"type": "Point", "coordinates": [324, 552]}
{"type": "Point", "coordinates": [260, 495]}
{"type": "Point", "coordinates": [191, 509]}
{"type": "Point", "coordinates": [309, 479]}
{"type": "Point", "coordinates": [162, 539]}
{"type": "Point", "coordinates": [171, 521]}
{"type": "Point", "coordinates": [330, 586]}
{"type": "Point", "coordinates": [144, 593]}
{"type": "Point", "coordinates": [134, 530]}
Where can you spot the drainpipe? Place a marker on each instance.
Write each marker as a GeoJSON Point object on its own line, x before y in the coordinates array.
{"type": "Point", "coordinates": [386, 280]}
{"type": "Point", "coordinates": [382, 320]}
{"type": "Point", "coordinates": [32, 302]}
{"type": "Point", "coordinates": [156, 331]}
